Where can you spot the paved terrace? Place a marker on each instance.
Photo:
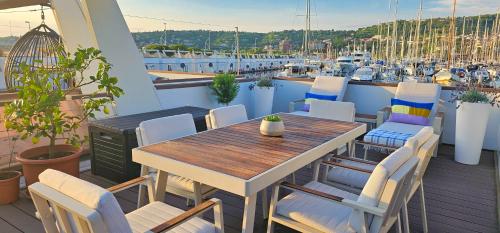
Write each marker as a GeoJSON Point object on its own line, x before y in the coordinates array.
{"type": "Point", "coordinates": [460, 198]}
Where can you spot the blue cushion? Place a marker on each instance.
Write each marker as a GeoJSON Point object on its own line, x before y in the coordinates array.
{"type": "Point", "coordinates": [310, 96]}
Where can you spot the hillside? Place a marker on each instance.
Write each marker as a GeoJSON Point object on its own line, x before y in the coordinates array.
{"type": "Point", "coordinates": [224, 40]}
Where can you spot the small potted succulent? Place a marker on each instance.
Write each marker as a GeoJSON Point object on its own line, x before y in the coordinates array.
{"type": "Point", "coordinates": [9, 178]}
{"type": "Point", "coordinates": [263, 94]}
{"type": "Point", "coordinates": [474, 104]}
{"type": "Point", "coordinates": [272, 125]}
{"type": "Point", "coordinates": [225, 88]}
{"type": "Point", "coordinates": [37, 113]}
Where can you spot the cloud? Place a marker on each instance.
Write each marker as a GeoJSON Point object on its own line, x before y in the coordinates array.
{"type": "Point", "coordinates": [464, 7]}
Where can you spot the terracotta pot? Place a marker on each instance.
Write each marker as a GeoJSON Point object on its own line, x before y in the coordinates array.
{"type": "Point", "coordinates": [33, 166]}
{"type": "Point", "coordinates": [9, 186]}
{"type": "Point", "coordinates": [270, 128]}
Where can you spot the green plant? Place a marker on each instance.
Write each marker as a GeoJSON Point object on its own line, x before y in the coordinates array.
{"type": "Point", "coordinates": [225, 87]}
{"type": "Point", "coordinates": [472, 92]}
{"type": "Point", "coordinates": [263, 81]}
{"type": "Point", "coordinates": [273, 118]}
{"type": "Point", "coordinates": [37, 113]}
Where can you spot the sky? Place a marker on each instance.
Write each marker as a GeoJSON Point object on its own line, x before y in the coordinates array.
{"type": "Point", "coordinates": [256, 15]}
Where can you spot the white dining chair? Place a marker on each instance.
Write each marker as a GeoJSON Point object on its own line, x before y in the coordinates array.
{"type": "Point", "coordinates": [334, 110]}
{"type": "Point", "coordinates": [67, 204]}
{"type": "Point", "coordinates": [225, 116]}
{"type": "Point", "coordinates": [318, 207]}
{"type": "Point", "coordinates": [169, 128]}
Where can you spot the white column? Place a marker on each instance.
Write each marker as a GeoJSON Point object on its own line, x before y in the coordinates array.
{"type": "Point", "coordinates": [109, 32]}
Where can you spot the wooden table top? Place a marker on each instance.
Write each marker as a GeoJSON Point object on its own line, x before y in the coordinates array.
{"type": "Point", "coordinates": [241, 151]}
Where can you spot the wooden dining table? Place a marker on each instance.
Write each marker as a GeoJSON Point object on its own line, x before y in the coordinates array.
{"type": "Point", "coordinates": [238, 159]}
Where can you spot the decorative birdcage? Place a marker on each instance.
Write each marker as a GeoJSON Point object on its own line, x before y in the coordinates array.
{"type": "Point", "coordinates": [40, 47]}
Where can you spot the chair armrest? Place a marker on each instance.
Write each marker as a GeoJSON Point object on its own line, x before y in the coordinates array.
{"type": "Point", "coordinates": [336, 164]}
{"type": "Point", "coordinates": [186, 216]}
{"type": "Point", "coordinates": [208, 122]}
{"type": "Point", "coordinates": [131, 183]}
{"type": "Point", "coordinates": [382, 115]}
{"type": "Point", "coordinates": [340, 200]}
{"type": "Point", "coordinates": [355, 160]}
{"type": "Point", "coordinates": [291, 105]}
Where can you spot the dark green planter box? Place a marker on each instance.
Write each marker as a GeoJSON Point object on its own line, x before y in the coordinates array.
{"type": "Point", "coordinates": [112, 141]}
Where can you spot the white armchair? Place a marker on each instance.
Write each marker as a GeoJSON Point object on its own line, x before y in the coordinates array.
{"type": "Point", "coordinates": [352, 174]}
{"type": "Point", "coordinates": [225, 116]}
{"type": "Point", "coordinates": [317, 207]}
{"type": "Point", "coordinates": [68, 204]}
{"type": "Point", "coordinates": [323, 86]}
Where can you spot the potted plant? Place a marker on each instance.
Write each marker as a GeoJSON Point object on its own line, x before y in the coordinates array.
{"type": "Point", "coordinates": [225, 88]}
{"type": "Point", "coordinates": [9, 179]}
{"type": "Point", "coordinates": [263, 93]}
{"type": "Point", "coordinates": [37, 114]}
{"type": "Point", "coordinates": [272, 125]}
{"type": "Point", "coordinates": [473, 109]}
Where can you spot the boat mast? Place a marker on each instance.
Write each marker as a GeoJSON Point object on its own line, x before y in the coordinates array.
{"type": "Point", "coordinates": [394, 31]}
{"type": "Point", "coordinates": [451, 35]}
{"type": "Point", "coordinates": [476, 40]}
{"type": "Point", "coordinates": [462, 41]}
{"type": "Point", "coordinates": [238, 55]}
{"type": "Point", "coordinates": [418, 28]}
{"type": "Point", "coordinates": [307, 28]}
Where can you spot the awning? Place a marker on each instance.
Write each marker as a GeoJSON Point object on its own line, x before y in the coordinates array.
{"type": "Point", "coordinates": [8, 4]}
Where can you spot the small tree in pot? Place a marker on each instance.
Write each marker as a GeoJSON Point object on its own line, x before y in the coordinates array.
{"type": "Point", "coordinates": [225, 88]}
{"type": "Point", "coordinates": [474, 103]}
{"type": "Point", "coordinates": [37, 111]}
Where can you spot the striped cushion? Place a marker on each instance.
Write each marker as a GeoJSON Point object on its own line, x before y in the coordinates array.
{"type": "Point", "coordinates": [410, 112]}
{"type": "Point", "coordinates": [310, 96]}
{"type": "Point", "coordinates": [388, 138]}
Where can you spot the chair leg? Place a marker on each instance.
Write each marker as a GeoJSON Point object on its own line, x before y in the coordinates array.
{"type": "Point", "coordinates": [398, 226]}
{"type": "Point", "coordinates": [293, 178]}
{"type": "Point", "coordinates": [197, 193]}
{"type": "Point", "coordinates": [141, 199]}
{"type": "Point", "coordinates": [272, 208]}
{"type": "Point", "coordinates": [406, 221]}
{"type": "Point", "coordinates": [365, 156]}
{"type": "Point", "coordinates": [265, 207]}
{"type": "Point", "coordinates": [316, 170]}
{"type": "Point", "coordinates": [423, 211]}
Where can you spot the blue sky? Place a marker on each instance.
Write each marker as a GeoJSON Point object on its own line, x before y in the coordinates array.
{"type": "Point", "coordinates": [263, 15]}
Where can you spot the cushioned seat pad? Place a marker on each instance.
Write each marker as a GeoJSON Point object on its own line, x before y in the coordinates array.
{"type": "Point", "coordinates": [156, 213]}
{"type": "Point", "coordinates": [318, 213]}
{"type": "Point", "coordinates": [392, 134]}
{"type": "Point", "coordinates": [350, 177]}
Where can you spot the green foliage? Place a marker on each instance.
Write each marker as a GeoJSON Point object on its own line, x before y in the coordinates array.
{"type": "Point", "coordinates": [37, 113]}
{"type": "Point", "coordinates": [474, 96]}
{"type": "Point", "coordinates": [273, 118]}
{"type": "Point", "coordinates": [225, 88]}
{"type": "Point", "coordinates": [264, 82]}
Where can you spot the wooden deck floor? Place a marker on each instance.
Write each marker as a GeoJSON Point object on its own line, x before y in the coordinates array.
{"type": "Point", "coordinates": [460, 198]}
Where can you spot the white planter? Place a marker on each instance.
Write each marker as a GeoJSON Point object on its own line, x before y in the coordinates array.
{"type": "Point", "coordinates": [263, 101]}
{"type": "Point", "coordinates": [472, 119]}
{"type": "Point", "coordinates": [272, 128]}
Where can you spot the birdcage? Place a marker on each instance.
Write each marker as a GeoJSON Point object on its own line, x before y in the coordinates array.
{"type": "Point", "coordinates": [40, 47]}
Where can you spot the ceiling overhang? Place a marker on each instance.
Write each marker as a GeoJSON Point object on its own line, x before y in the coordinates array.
{"type": "Point", "coordinates": [9, 4]}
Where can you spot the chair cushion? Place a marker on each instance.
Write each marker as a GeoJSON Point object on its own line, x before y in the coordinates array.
{"type": "Point", "coordinates": [321, 214]}
{"type": "Point", "coordinates": [420, 92]}
{"type": "Point", "coordinates": [333, 110]}
{"type": "Point", "coordinates": [396, 136]}
{"type": "Point", "coordinates": [350, 177]}
{"type": "Point", "coordinates": [312, 96]}
{"type": "Point", "coordinates": [91, 195]}
{"type": "Point", "coordinates": [330, 86]}
{"type": "Point", "coordinates": [225, 116]}
{"type": "Point", "coordinates": [166, 128]}
{"type": "Point", "coordinates": [410, 112]}
{"type": "Point", "coordinates": [156, 213]}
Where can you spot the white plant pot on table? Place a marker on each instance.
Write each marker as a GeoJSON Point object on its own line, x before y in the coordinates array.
{"type": "Point", "coordinates": [472, 119]}
{"type": "Point", "coordinates": [263, 101]}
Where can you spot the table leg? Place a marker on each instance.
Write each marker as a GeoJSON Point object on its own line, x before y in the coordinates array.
{"type": "Point", "coordinates": [161, 184]}
{"type": "Point", "coordinates": [265, 207]}
{"type": "Point", "coordinates": [141, 199]}
{"type": "Point", "coordinates": [249, 213]}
